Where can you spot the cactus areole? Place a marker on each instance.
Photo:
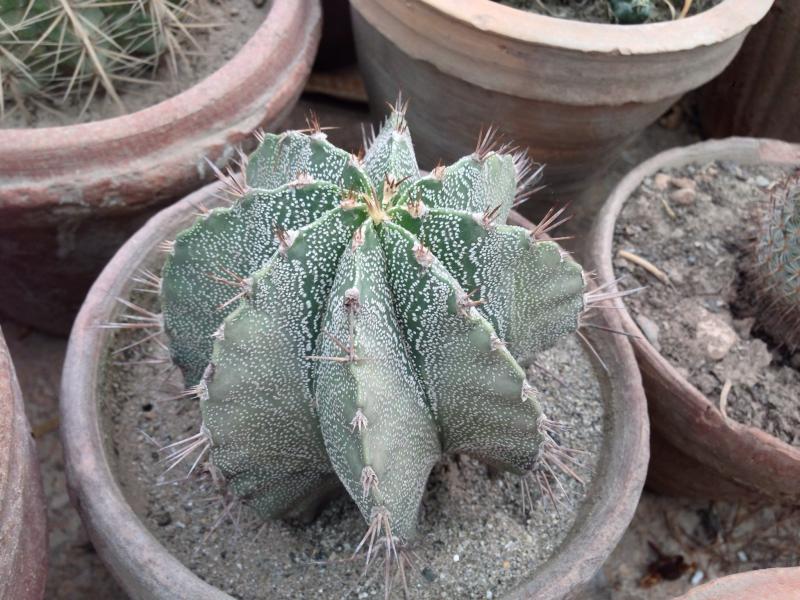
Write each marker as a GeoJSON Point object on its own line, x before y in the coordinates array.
{"type": "Point", "coordinates": [347, 319]}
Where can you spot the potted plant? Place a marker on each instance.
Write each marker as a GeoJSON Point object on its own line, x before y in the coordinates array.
{"type": "Point", "coordinates": [70, 195]}
{"type": "Point", "coordinates": [388, 225]}
{"type": "Point", "coordinates": [23, 529]}
{"type": "Point", "coordinates": [572, 92]}
{"type": "Point", "coordinates": [775, 584]}
{"type": "Point", "coordinates": [708, 372]}
{"type": "Point", "coordinates": [750, 99]}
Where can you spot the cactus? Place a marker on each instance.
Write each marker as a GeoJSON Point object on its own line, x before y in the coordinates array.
{"type": "Point", "coordinates": [346, 321]}
{"type": "Point", "coordinates": [71, 48]}
{"type": "Point", "coordinates": [773, 270]}
{"type": "Point", "coordinates": [630, 12]}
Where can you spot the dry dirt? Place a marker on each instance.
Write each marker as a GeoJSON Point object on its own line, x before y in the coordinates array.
{"type": "Point", "coordinates": [694, 224]}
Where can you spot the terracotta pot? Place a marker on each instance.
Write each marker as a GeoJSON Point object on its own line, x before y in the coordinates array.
{"type": "Point", "coordinates": [758, 94]}
{"type": "Point", "coordinates": [147, 570]}
{"type": "Point", "coordinates": [573, 92]}
{"type": "Point", "coordinates": [23, 527]}
{"type": "Point", "coordinates": [336, 47]}
{"type": "Point", "coordinates": [69, 196]}
{"type": "Point", "coordinates": [697, 451]}
{"type": "Point", "coordinates": [766, 584]}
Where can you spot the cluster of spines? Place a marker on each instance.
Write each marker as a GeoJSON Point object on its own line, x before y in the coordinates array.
{"type": "Point", "coordinates": [52, 51]}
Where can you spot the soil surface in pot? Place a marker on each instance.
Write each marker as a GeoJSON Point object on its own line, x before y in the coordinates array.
{"type": "Point", "coordinates": [233, 22]}
{"type": "Point", "coordinates": [598, 11]}
{"type": "Point", "coordinates": [695, 225]}
{"type": "Point", "coordinates": [474, 540]}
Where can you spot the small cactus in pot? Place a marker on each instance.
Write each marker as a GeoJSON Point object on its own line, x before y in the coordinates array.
{"type": "Point", "coordinates": [772, 276]}
{"type": "Point", "coordinates": [347, 321]}
{"type": "Point", "coordinates": [59, 50]}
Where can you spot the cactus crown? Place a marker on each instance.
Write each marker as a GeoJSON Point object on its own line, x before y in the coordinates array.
{"type": "Point", "coordinates": [348, 320]}
{"type": "Point", "coordinates": [63, 49]}
{"type": "Point", "coordinates": [774, 267]}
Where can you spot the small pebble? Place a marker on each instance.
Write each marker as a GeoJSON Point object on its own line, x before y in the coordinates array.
{"type": "Point", "coordinates": [684, 183]}
{"type": "Point", "coordinates": [661, 181]}
{"type": "Point", "coordinates": [649, 329]}
{"type": "Point", "coordinates": [741, 556]}
{"type": "Point", "coordinates": [428, 574]}
{"type": "Point", "coordinates": [762, 181]}
{"type": "Point", "coordinates": [715, 336]}
{"type": "Point", "coordinates": [456, 558]}
{"type": "Point", "coordinates": [683, 196]}
{"type": "Point", "coordinates": [697, 577]}
{"type": "Point", "coordinates": [489, 594]}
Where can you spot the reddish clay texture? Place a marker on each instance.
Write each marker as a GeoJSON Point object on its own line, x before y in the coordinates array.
{"type": "Point", "coordinates": [23, 528]}
{"type": "Point", "coordinates": [766, 584]}
{"type": "Point", "coordinates": [147, 570]}
{"type": "Point", "coordinates": [695, 449]}
{"type": "Point", "coordinates": [69, 196]}
{"type": "Point", "coordinates": [572, 92]}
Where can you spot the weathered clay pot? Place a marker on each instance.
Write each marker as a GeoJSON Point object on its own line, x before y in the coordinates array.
{"type": "Point", "coordinates": [69, 196]}
{"type": "Point", "coordinates": [766, 584]}
{"type": "Point", "coordinates": [147, 570]}
{"type": "Point", "coordinates": [23, 527]}
{"type": "Point", "coordinates": [758, 94]}
{"type": "Point", "coordinates": [695, 450]}
{"type": "Point", "coordinates": [573, 92]}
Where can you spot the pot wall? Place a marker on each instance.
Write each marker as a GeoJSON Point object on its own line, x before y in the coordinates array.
{"type": "Point", "coordinates": [23, 527]}
{"type": "Point", "coordinates": [69, 196]}
{"type": "Point", "coordinates": [572, 92]}
{"type": "Point", "coordinates": [759, 93]}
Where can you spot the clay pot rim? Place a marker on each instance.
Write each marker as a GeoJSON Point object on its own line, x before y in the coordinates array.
{"type": "Point", "coordinates": [127, 546]}
{"type": "Point", "coordinates": [783, 580]}
{"type": "Point", "coordinates": [68, 161]}
{"type": "Point", "coordinates": [721, 22]}
{"type": "Point", "coordinates": [601, 245]}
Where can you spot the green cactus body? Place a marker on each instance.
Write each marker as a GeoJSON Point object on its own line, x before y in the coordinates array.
{"type": "Point", "coordinates": [349, 321]}
{"type": "Point", "coordinates": [773, 276]}
{"type": "Point", "coordinates": [630, 12]}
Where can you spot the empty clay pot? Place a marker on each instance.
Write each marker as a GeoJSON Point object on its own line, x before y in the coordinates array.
{"type": "Point", "coordinates": [69, 196]}
{"type": "Point", "coordinates": [23, 527]}
{"type": "Point", "coordinates": [573, 92]}
{"type": "Point", "coordinates": [146, 569]}
{"type": "Point", "coordinates": [695, 449]}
